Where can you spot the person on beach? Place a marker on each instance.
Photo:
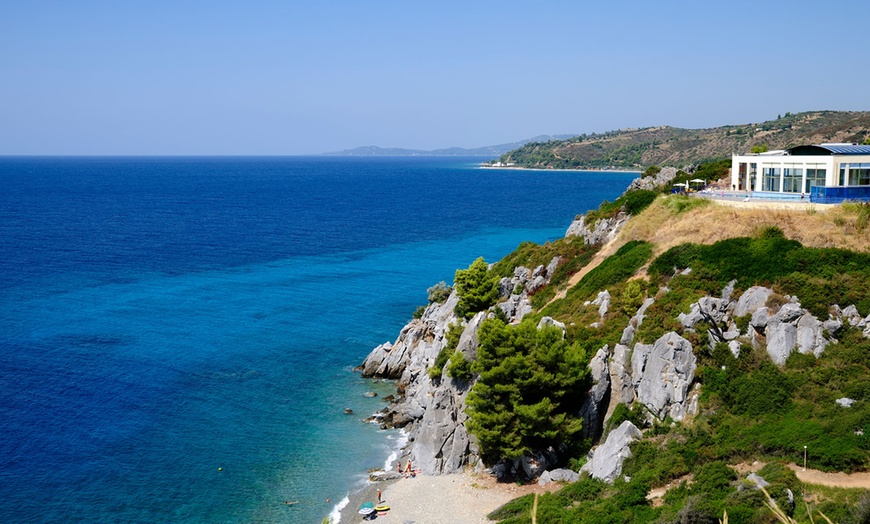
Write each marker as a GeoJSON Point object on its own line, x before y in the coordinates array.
{"type": "Point", "coordinates": [399, 466]}
{"type": "Point", "coordinates": [408, 467]}
{"type": "Point", "coordinates": [379, 496]}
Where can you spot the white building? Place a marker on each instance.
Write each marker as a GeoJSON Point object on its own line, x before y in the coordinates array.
{"type": "Point", "coordinates": [837, 172]}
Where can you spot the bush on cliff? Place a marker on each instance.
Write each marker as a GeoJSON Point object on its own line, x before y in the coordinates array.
{"type": "Point", "coordinates": [632, 202]}
{"type": "Point", "coordinates": [477, 288]}
{"type": "Point", "coordinates": [531, 386]}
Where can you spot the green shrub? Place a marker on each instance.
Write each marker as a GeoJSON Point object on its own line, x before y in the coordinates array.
{"type": "Point", "coordinates": [439, 292]}
{"type": "Point", "coordinates": [451, 336]}
{"type": "Point", "coordinates": [459, 368]}
{"type": "Point", "coordinates": [477, 288]}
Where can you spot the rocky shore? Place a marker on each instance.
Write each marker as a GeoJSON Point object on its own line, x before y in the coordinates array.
{"type": "Point", "coordinates": [660, 376]}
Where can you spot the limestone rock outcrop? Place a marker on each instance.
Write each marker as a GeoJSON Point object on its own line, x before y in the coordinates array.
{"type": "Point", "coordinates": [652, 182]}
{"type": "Point", "coordinates": [662, 374]}
{"type": "Point", "coordinates": [598, 396]}
{"type": "Point", "coordinates": [604, 230]}
{"type": "Point", "coordinates": [605, 461]}
{"type": "Point", "coordinates": [558, 475]}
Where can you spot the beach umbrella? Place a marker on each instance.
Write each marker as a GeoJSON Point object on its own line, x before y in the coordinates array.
{"type": "Point", "coordinates": [367, 508]}
{"type": "Point", "coordinates": [680, 184]}
{"type": "Point", "coordinates": [698, 181]}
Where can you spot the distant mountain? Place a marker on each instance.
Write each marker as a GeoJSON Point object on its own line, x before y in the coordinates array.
{"type": "Point", "coordinates": [673, 146]}
{"type": "Point", "coordinates": [487, 151]}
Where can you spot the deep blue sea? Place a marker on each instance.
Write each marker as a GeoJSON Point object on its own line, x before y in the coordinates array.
{"type": "Point", "coordinates": [177, 335]}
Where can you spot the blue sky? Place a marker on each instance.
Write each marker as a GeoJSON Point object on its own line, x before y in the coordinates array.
{"type": "Point", "coordinates": [225, 78]}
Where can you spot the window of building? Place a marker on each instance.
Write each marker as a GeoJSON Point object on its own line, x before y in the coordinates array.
{"type": "Point", "coordinates": [770, 179]}
{"type": "Point", "coordinates": [859, 174]}
{"type": "Point", "coordinates": [792, 178]}
{"type": "Point", "coordinates": [815, 177]}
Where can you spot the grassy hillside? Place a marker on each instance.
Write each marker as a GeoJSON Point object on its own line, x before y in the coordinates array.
{"type": "Point", "coordinates": [750, 409]}
{"type": "Point", "coordinates": [635, 148]}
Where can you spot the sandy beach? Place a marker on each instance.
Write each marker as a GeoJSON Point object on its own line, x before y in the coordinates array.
{"type": "Point", "coordinates": [461, 498]}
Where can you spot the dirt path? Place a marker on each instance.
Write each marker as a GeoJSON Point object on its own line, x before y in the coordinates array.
{"type": "Point", "coordinates": [837, 480]}
{"type": "Point", "coordinates": [607, 250]}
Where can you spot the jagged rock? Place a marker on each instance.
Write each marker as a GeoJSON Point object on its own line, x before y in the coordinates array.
{"type": "Point", "coordinates": [651, 182]}
{"type": "Point", "coordinates": [558, 475]}
{"type": "Point", "coordinates": [516, 307]}
{"type": "Point", "coordinates": [728, 291]}
{"type": "Point", "coordinates": [751, 299]}
{"type": "Point", "coordinates": [662, 373]}
{"type": "Point", "coordinates": [734, 346]}
{"type": "Point", "coordinates": [577, 227]}
{"type": "Point", "coordinates": [781, 333]}
{"type": "Point", "coordinates": [833, 325]}
{"type": "Point", "coordinates": [553, 265]}
{"type": "Point", "coordinates": [441, 441]}
{"type": "Point", "coordinates": [810, 338]}
{"type": "Point", "coordinates": [852, 316]}
{"type": "Point", "coordinates": [845, 402]}
{"type": "Point", "coordinates": [603, 302]}
{"type": "Point", "coordinates": [793, 327]}
{"type": "Point", "coordinates": [621, 381]}
{"type": "Point", "coordinates": [635, 322]}
{"type": "Point", "coordinates": [606, 460]}
{"type": "Point", "coordinates": [605, 229]}
{"type": "Point", "coordinates": [550, 321]}
{"type": "Point", "coordinates": [598, 397]}
{"type": "Point", "coordinates": [757, 480]}
{"type": "Point", "coordinates": [759, 320]}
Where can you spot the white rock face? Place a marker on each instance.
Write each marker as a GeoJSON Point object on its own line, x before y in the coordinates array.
{"type": "Point", "coordinates": [605, 229]}
{"type": "Point", "coordinates": [845, 402]}
{"type": "Point", "coordinates": [607, 459]}
{"type": "Point", "coordinates": [558, 475]}
{"type": "Point", "coordinates": [603, 302]}
{"type": "Point", "coordinates": [751, 299]}
{"type": "Point", "coordinates": [662, 374]}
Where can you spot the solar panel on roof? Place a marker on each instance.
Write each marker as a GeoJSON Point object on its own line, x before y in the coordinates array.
{"type": "Point", "coordinates": [849, 150]}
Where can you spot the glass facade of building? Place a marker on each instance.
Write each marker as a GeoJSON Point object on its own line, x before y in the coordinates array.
{"type": "Point", "coordinates": [791, 179]}
{"type": "Point", "coordinates": [770, 179]}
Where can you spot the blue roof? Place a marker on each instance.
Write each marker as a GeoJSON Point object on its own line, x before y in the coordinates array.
{"type": "Point", "coordinates": [830, 149]}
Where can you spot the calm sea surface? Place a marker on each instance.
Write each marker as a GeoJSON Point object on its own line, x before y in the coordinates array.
{"type": "Point", "coordinates": [177, 334]}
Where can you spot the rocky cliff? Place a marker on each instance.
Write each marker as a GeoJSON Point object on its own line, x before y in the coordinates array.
{"type": "Point", "coordinates": [657, 377]}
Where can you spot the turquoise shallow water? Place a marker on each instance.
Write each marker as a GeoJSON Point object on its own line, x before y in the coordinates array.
{"type": "Point", "coordinates": [179, 334]}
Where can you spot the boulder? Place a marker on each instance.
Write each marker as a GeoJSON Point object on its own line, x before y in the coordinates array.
{"type": "Point", "coordinates": [662, 374]}
{"type": "Point", "coordinates": [757, 480]}
{"type": "Point", "coordinates": [605, 462]}
{"type": "Point", "coordinates": [851, 315]}
{"type": "Point", "coordinates": [550, 321]}
{"type": "Point", "coordinates": [845, 402]}
{"type": "Point", "coordinates": [751, 299]}
{"type": "Point", "coordinates": [558, 475]}
{"type": "Point", "coordinates": [603, 302]}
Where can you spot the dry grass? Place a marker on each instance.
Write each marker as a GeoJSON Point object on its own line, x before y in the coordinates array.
{"type": "Point", "coordinates": [834, 227]}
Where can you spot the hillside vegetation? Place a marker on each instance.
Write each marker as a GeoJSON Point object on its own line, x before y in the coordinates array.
{"type": "Point", "coordinates": [635, 148]}
{"type": "Point", "coordinates": [750, 409]}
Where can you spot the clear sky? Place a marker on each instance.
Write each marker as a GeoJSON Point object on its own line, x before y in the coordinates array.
{"type": "Point", "coordinates": [283, 77]}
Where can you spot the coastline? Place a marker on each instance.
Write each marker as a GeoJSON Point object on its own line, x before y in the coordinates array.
{"type": "Point", "coordinates": [465, 498]}
{"type": "Point", "coordinates": [581, 170]}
